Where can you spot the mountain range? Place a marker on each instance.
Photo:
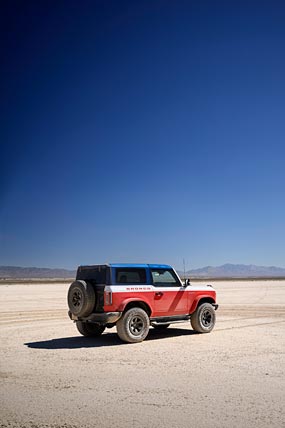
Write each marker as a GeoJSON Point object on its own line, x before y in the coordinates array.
{"type": "Point", "coordinates": [236, 271]}
{"type": "Point", "coordinates": [225, 271]}
{"type": "Point", "coordinates": [17, 272]}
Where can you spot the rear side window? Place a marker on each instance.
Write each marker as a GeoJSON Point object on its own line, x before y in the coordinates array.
{"type": "Point", "coordinates": [164, 277]}
{"type": "Point", "coordinates": [95, 274]}
{"type": "Point", "coordinates": [130, 276]}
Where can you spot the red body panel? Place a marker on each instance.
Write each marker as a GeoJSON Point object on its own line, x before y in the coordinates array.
{"type": "Point", "coordinates": [161, 301]}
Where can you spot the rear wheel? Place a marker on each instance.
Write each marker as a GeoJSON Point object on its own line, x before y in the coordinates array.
{"type": "Point", "coordinates": [133, 326]}
{"type": "Point", "coordinates": [88, 329]}
{"type": "Point", "coordinates": [81, 298]}
{"type": "Point", "coordinates": [204, 318]}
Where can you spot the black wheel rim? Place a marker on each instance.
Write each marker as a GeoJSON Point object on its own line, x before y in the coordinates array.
{"type": "Point", "coordinates": [76, 298]}
{"type": "Point", "coordinates": [136, 325]}
{"type": "Point", "coordinates": [206, 318]}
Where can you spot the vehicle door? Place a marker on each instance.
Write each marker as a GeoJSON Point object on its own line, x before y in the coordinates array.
{"type": "Point", "coordinates": [170, 297]}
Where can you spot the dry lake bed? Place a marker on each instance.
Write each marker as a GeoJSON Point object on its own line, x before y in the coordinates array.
{"type": "Point", "coordinates": [232, 377]}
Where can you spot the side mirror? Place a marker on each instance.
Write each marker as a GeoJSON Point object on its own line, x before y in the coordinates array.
{"type": "Point", "coordinates": [186, 282]}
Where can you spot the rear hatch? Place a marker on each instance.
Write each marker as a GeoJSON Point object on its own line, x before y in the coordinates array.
{"type": "Point", "coordinates": [98, 276]}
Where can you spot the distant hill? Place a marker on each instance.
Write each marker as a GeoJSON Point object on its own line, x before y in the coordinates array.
{"type": "Point", "coordinates": [236, 271]}
{"type": "Point", "coordinates": [225, 271]}
{"type": "Point", "coordinates": [34, 272]}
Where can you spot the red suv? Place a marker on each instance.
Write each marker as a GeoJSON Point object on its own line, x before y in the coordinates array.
{"type": "Point", "coordinates": [136, 296]}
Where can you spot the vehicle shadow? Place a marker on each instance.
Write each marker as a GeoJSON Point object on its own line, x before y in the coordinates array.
{"type": "Point", "coordinates": [107, 339]}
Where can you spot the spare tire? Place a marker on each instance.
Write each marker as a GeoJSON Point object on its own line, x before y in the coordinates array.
{"type": "Point", "coordinates": [81, 298]}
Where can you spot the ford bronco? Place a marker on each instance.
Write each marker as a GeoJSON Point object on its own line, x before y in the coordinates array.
{"type": "Point", "coordinates": [136, 296]}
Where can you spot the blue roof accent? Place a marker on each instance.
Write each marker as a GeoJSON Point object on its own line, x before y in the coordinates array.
{"type": "Point", "coordinates": [160, 266]}
{"type": "Point", "coordinates": [138, 265]}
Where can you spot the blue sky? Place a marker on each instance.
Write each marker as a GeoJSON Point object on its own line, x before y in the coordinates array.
{"type": "Point", "coordinates": [146, 131]}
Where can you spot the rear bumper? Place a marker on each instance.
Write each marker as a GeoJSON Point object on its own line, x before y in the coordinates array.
{"type": "Point", "coordinates": [98, 318]}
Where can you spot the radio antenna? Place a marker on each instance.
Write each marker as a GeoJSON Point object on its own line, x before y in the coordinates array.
{"type": "Point", "coordinates": [184, 269]}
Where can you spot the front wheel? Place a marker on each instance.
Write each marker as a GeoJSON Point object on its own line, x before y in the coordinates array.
{"type": "Point", "coordinates": [133, 326]}
{"type": "Point", "coordinates": [88, 329]}
{"type": "Point", "coordinates": [204, 318]}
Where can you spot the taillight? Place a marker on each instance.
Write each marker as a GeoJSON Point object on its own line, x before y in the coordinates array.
{"type": "Point", "coordinates": [108, 298]}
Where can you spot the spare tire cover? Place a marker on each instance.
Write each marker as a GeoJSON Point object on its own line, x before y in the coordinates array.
{"type": "Point", "coordinates": [81, 298]}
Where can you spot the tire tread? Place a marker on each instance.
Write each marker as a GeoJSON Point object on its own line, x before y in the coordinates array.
{"type": "Point", "coordinates": [195, 319]}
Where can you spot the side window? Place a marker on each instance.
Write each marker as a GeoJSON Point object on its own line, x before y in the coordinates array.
{"type": "Point", "coordinates": [96, 274]}
{"type": "Point", "coordinates": [130, 276]}
{"type": "Point", "coordinates": [164, 277]}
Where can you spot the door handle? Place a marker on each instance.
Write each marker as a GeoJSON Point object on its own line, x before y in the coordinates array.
{"type": "Point", "coordinates": [159, 293]}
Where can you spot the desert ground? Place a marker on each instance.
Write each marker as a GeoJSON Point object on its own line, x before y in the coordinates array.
{"type": "Point", "coordinates": [232, 377]}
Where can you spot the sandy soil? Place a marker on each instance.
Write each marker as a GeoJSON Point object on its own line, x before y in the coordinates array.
{"type": "Point", "coordinates": [232, 377]}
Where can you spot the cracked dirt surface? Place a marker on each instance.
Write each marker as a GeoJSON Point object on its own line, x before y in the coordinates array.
{"type": "Point", "coordinates": [50, 377]}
